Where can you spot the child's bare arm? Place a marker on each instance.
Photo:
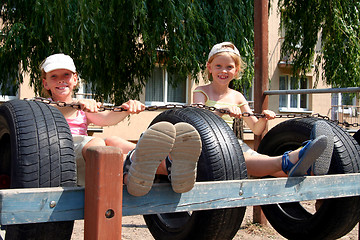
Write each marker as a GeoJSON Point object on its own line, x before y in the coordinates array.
{"type": "Point", "coordinates": [109, 118]}
{"type": "Point", "coordinates": [88, 105]}
{"type": "Point", "coordinates": [258, 125]}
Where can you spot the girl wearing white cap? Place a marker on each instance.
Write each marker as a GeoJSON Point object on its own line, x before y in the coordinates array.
{"type": "Point", "coordinates": [225, 64]}
{"type": "Point", "coordinates": [59, 79]}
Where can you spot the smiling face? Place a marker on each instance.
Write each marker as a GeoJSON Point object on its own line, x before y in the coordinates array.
{"type": "Point", "coordinates": [222, 68]}
{"type": "Point", "coordinates": [60, 83]}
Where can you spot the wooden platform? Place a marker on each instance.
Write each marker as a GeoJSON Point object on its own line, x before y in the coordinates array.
{"type": "Point", "coordinates": [60, 204]}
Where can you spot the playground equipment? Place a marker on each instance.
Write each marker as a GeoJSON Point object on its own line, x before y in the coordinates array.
{"type": "Point", "coordinates": [36, 152]}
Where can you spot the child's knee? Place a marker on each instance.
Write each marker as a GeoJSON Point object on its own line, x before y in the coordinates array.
{"type": "Point", "coordinates": [121, 143]}
{"type": "Point", "coordinates": [92, 143]}
{"type": "Point", "coordinates": [112, 141]}
{"type": "Point", "coordinates": [96, 142]}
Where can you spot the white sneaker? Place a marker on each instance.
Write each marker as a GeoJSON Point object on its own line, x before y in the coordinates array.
{"type": "Point", "coordinates": [184, 156]}
{"type": "Point", "coordinates": [152, 148]}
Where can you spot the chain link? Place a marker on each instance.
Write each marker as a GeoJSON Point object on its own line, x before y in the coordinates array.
{"type": "Point", "coordinates": [196, 105]}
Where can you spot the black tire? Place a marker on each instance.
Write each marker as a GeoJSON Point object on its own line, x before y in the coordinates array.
{"type": "Point", "coordinates": [357, 136]}
{"type": "Point", "coordinates": [36, 151]}
{"type": "Point", "coordinates": [335, 217]}
{"type": "Point", "coordinates": [221, 159]}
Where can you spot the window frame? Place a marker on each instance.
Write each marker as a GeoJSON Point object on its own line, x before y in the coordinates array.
{"type": "Point", "coordinates": [338, 104]}
{"type": "Point", "coordinates": [5, 98]}
{"type": "Point", "coordinates": [166, 83]}
{"type": "Point", "coordinates": [288, 97]}
{"type": "Point", "coordinates": [81, 92]}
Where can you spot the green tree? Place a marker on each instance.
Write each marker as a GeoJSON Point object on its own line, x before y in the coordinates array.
{"type": "Point", "coordinates": [338, 24]}
{"type": "Point", "coordinates": [116, 43]}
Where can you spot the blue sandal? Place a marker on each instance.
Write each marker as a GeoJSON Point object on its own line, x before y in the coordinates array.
{"type": "Point", "coordinates": [307, 156]}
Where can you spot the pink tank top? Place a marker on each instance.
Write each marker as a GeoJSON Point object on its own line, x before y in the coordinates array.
{"type": "Point", "coordinates": [78, 125]}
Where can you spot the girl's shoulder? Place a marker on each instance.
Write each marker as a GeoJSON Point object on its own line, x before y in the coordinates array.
{"type": "Point", "coordinates": [202, 88]}
{"type": "Point", "coordinates": [238, 97]}
{"type": "Point", "coordinates": [199, 93]}
{"type": "Point", "coordinates": [236, 93]}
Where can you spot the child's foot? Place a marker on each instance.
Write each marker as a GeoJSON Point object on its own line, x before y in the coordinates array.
{"type": "Point", "coordinates": [322, 164]}
{"type": "Point", "coordinates": [153, 146]}
{"type": "Point", "coordinates": [184, 157]}
{"type": "Point", "coordinates": [307, 156]}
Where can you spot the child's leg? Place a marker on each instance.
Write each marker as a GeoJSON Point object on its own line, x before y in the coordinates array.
{"type": "Point", "coordinates": [162, 168]}
{"type": "Point", "coordinates": [94, 142]}
{"type": "Point", "coordinates": [81, 144]}
{"type": "Point", "coordinates": [263, 165]}
{"type": "Point", "coordinates": [121, 143]}
{"type": "Point", "coordinates": [295, 163]}
{"type": "Point", "coordinates": [124, 145]}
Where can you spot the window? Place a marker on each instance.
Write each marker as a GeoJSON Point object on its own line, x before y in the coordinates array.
{"type": "Point", "coordinates": [343, 103]}
{"type": "Point", "coordinates": [84, 91]}
{"type": "Point", "coordinates": [10, 92]}
{"type": "Point", "coordinates": [293, 102]}
{"type": "Point", "coordinates": [160, 90]}
{"type": "Point", "coordinates": [348, 99]}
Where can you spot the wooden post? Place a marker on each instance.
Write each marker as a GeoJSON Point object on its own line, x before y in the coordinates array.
{"type": "Point", "coordinates": [103, 193]}
{"type": "Point", "coordinates": [261, 73]}
{"type": "Point", "coordinates": [258, 216]}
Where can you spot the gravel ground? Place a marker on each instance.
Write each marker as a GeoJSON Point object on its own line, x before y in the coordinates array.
{"type": "Point", "coordinates": [134, 227]}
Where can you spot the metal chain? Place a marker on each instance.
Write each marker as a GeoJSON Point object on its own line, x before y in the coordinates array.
{"type": "Point", "coordinates": [196, 105]}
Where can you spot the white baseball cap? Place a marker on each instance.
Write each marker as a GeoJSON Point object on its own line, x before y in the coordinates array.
{"type": "Point", "coordinates": [58, 61]}
{"type": "Point", "coordinates": [223, 47]}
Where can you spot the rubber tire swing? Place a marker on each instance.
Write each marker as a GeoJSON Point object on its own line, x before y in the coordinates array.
{"type": "Point", "coordinates": [335, 217]}
{"type": "Point", "coordinates": [221, 159]}
{"type": "Point", "coordinates": [36, 151]}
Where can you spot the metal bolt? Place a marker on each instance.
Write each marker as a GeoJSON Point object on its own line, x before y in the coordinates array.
{"type": "Point", "coordinates": [52, 204]}
{"type": "Point", "coordinates": [241, 192]}
{"type": "Point", "coordinates": [109, 213]}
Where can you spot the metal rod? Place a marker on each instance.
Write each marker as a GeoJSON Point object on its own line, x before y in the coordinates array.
{"type": "Point", "coordinates": [312, 91]}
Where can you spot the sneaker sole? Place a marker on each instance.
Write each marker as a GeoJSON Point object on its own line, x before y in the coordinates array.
{"type": "Point", "coordinates": [322, 164]}
{"type": "Point", "coordinates": [153, 147]}
{"type": "Point", "coordinates": [185, 155]}
{"type": "Point", "coordinates": [314, 151]}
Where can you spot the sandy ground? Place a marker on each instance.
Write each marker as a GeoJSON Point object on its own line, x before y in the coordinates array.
{"type": "Point", "coordinates": [134, 227]}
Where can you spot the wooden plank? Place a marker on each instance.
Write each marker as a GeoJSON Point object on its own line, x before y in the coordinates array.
{"type": "Point", "coordinates": [41, 205]}
{"type": "Point", "coordinates": [209, 195]}
{"type": "Point", "coordinates": [32, 205]}
{"type": "Point", "coordinates": [103, 193]}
